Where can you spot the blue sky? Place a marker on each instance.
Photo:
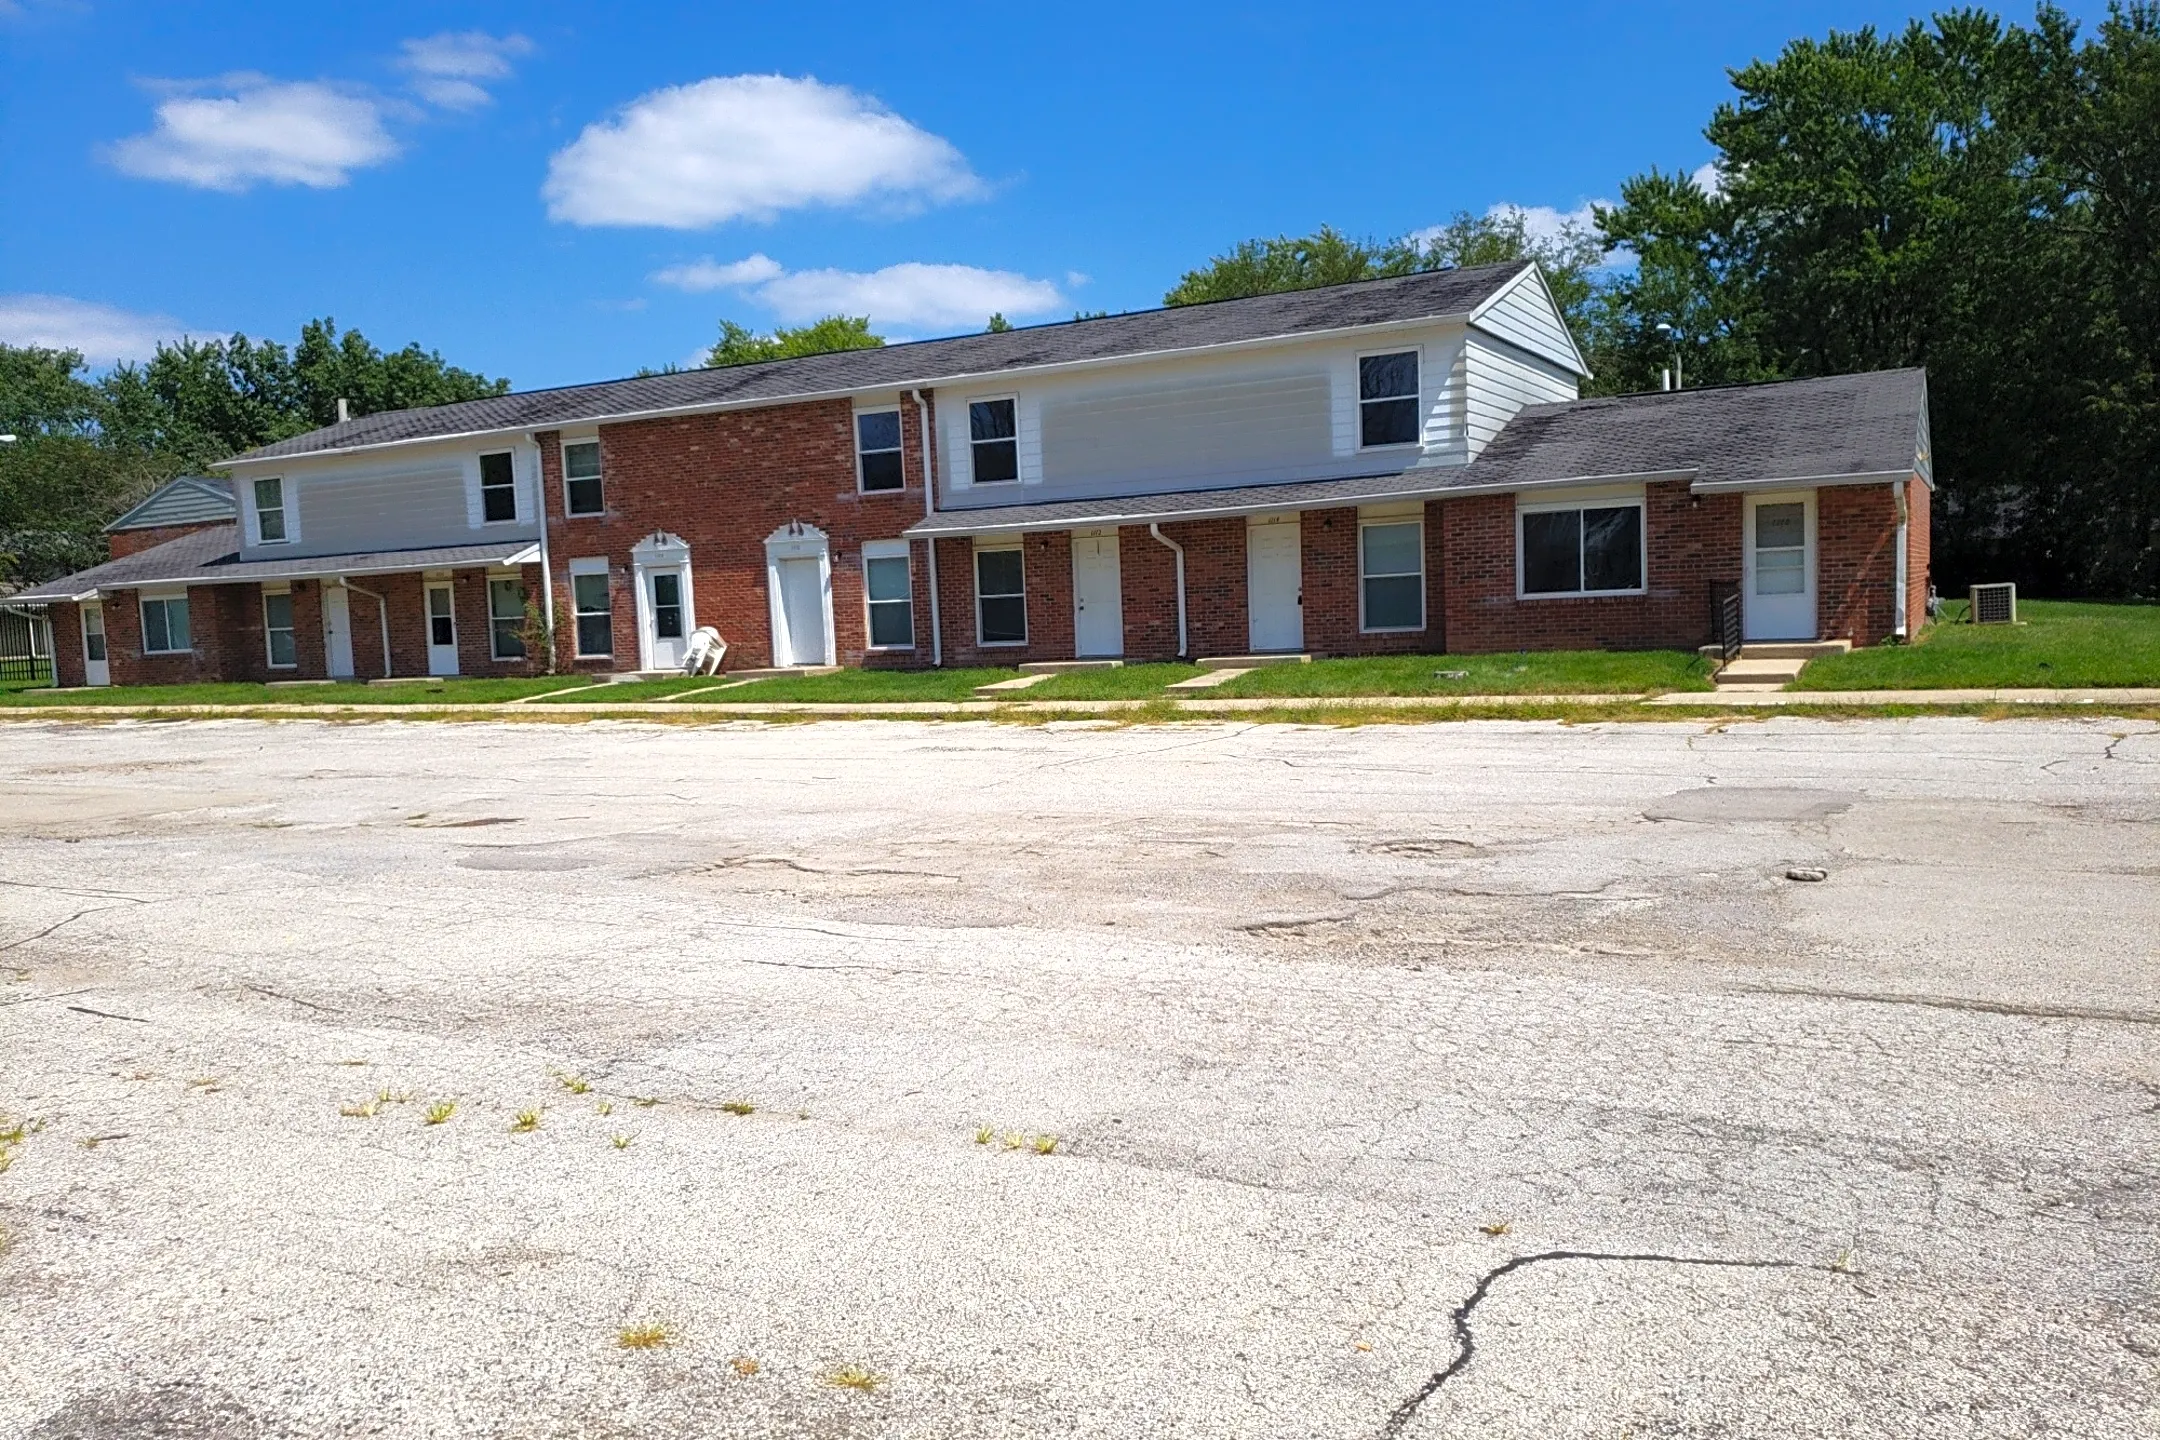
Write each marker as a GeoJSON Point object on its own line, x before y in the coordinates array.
{"type": "Point", "coordinates": [557, 192]}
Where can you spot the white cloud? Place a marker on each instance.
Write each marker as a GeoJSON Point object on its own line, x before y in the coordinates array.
{"type": "Point", "coordinates": [1709, 178]}
{"type": "Point", "coordinates": [449, 69]}
{"type": "Point", "coordinates": [103, 333]}
{"type": "Point", "coordinates": [258, 129]}
{"type": "Point", "coordinates": [910, 294]}
{"type": "Point", "coordinates": [1545, 222]}
{"type": "Point", "coordinates": [701, 275]}
{"type": "Point", "coordinates": [748, 147]}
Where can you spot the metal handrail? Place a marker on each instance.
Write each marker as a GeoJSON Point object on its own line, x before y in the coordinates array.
{"type": "Point", "coordinates": [1725, 618]}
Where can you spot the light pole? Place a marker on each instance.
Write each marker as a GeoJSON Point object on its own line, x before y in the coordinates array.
{"type": "Point", "coordinates": [1672, 335]}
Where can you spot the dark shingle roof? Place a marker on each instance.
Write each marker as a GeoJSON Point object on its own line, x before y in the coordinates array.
{"type": "Point", "coordinates": [1842, 425]}
{"type": "Point", "coordinates": [1183, 504]}
{"type": "Point", "coordinates": [187, 500]}
{"type": "Point", "coordinates": [1431, 295]}
{"type": "Point", "coordinates": [212, 557]}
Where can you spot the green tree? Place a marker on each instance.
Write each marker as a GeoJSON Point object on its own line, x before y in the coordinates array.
{"type": "Point", "coordinates": [998, 324]}
{"type": "Point", "coordinates": [740, 345]}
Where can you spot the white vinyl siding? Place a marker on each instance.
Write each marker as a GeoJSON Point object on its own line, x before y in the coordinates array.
{"type": "Point", "coordinates": [1523, 316]}
{"type": "Point", "coordinates": [403, 499]}
{"type": "Point", "coordinates": [1499, 382]}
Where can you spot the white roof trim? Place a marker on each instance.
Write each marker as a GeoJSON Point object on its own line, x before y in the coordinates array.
{"type": "Point", "coordinates": [1582, 366]}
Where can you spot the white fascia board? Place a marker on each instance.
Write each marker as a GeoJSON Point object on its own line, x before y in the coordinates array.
{"type": "Point", "coordinates": [1582, 366]}
{"type": "Point", "coordinates": [330, 568]}
{"type": "Point", "coordinates": [1562, 482]}
{"type": "Point", "coordinates": [928, 382]}
{"type": "Point", "coordinates": [1798, 482]}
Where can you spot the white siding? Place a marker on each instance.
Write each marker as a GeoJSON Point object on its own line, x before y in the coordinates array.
{"type": "Point", "coordinates": [1499, 381]}
{"type": "Point", "coordinates": [1523, 315]}
{"type": "Point", "coordinates": [399, 500]}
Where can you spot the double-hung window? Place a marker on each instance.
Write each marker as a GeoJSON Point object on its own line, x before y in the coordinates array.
{"type": "Point", "coordinates": [581, 478]}
{"type": "Point", "coordinates": [994, 440]}
{"type": "Point", "coordinates": [278, 630]}
{"type": "Point", "coordinates": [270, 511]}
{"type": "Point", "coordinates": [165, 625]}
{"type": "Point", "coordinates": [1582, 549]}
{"type": "Point", "coordinates": [592, 607]}
{"type": "Point", "coordinates": [506, 619]}
{"type": "Point", "coordinates": [1388, 399]}
{"type": "Point", "coordinates": [877, 450]}
{"type": "Point", "coordinates": [1000, 596]}
{"type": "Point", "coordinates": [889, 593]}
{"type": "Point", "coordinates": [1391, 575]}
{"type": "Point", "coordinates": [498, 488]}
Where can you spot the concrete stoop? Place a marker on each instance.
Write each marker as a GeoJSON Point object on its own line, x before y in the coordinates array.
{"type": "Point", "coordinates": [1774, 665]}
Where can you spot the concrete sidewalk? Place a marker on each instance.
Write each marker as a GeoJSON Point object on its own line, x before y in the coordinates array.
{"type": "Point", "coordinates": [1774, 698]}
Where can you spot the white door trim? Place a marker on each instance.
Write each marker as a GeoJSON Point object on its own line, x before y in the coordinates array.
{"type": "Point", "coordinates": [441, 659]}
{"type": "Point", "coordinates": [95, 672]}
{"type": "Point", "coordinates": [1109, 622]}
{"type": "Point", "coordinates": [659, 553]}
{"type": "Point", "coordinates": [798, 540]}
{"type": "Point", "coordinates": [1293, 522]}
{"type": "Point", "coordinates": [1780, 617]}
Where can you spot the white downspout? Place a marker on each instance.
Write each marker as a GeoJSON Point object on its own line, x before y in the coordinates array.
{"type": "Point", "coordinates": [1902, 602]}
{"type": "Point", "coordinates": [547, 571]}
{"type": "Point", "coordinates": [929, 502]}
{"type": "Point", "coordinates": [1184, 651]}
{"type": "Point", "coordinates": [382, 610]}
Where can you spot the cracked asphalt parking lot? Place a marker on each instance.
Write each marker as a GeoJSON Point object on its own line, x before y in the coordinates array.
{"type": "Point", "coordinates": [1477, 1079]}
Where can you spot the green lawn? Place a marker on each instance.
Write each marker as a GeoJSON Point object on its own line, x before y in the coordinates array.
{"type": "Point", "coordinates": [2058, 643]}
{"type": "Point", "coordinates": [424, 692]}
{"type": "Point", "coordinates": [1131, 682]}
{"type": "Point", "coordinates": [641, 690]}
{"type": "Point", "coordinates": [1537, 672]}
{"type": "Point", "coordinates": [849, 687]}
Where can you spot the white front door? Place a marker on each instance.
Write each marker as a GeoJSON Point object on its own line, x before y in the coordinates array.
{"type": "Point", "coordinates": [802, 612]}
{"type": "Point", "coordinates": [95, 669]}
{"type": "Point", "coordinates": [1778, 570]}
{"type": "Point", "coordinates": [667, 617]}
{"type": "Point", "coordinates": [441, 629]}
{"type": "Point", "coordinates": [1274, 583]}
{"type": "Point", "coordinates": [1098, 596]}
{"type": "Point", "coordinates": [337, 631]}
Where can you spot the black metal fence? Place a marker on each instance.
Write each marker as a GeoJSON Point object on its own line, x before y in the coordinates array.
{"type": "Point", "coordinates": [24, 651]}
{"type": "Point", "coordinates": [1725, 618]}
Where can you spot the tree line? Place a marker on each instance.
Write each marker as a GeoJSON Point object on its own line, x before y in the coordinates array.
{"type": "Point", "coordinates": [1978, 197]}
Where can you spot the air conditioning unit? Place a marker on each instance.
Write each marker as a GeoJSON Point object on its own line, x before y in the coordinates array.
{"type": "Point", "coordinates": [1993, 604]}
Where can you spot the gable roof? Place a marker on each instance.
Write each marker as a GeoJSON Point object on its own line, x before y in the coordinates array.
{"type": "Point", "coordinates": [212, 557]}
{"type": "Point", "coordinates": [187, 500]}
{"type": "Point", "coordinates": [1432, 295]}
{"type": "Point", "coordinates": [1838, 428]}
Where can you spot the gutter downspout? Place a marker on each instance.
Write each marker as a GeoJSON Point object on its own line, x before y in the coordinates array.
{"type": "Point", "coordinates": [929, 502]}
{"type": "Point", "coordinates": [382, 610]}
{"type": "Point", "coordinates": [1183, 650]}
{"type": "Point", "coordinates": [547, 571]}
{"type": "Point", "coordinates": [1902, 601]}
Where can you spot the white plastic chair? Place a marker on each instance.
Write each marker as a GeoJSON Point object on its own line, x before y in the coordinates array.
{"type": "Point", "coordinates": [706, 652]}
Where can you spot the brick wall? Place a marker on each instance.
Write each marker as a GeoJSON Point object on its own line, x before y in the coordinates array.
{"type": "Point", "coordinates": [1693, 540]}
{"type": "Point", "coordinates": [1331, 581]}
{"type": "Point", "coordinates": [123, 641]}
{"type": "Point", "coordinates": [1147, 572]}
{"type": "Point", "coordinates": [1046, 568]}
{"type": "Point", "coordinates": [1856, 574]}
{"type": "Point", "coordinates": [1918, 552]}
{"type": "Point", "coordinates": [129, 542]}
{"type": "Point", "coordinates": [67, 643]}
{"type": "Point", "coordinates": [1214, 585]}
{"type": "Point", "coordinates": [724, 483]}
{"type": "Point", "coordinates": [475, 626]}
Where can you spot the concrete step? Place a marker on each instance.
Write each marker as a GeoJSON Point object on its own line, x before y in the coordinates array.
{"type": "Point", "coordinates": [1802, 650]}
{"type": "Point", "coordinates": [1767, 673]}
{"type": "Point", "coordinates": [997, 689]}
{"type": "Point", "coordinates": [774, 672]}
{"type": "Point", "coordinates": [1249, 662]}
{"type": "Point", "coordinates": [1208, 679]}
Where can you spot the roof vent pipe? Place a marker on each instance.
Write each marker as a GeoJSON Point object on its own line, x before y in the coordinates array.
{"type": "Point", "coordinates": [344, 410]}
{"type": "Point", "coordinates": [1665, 378]}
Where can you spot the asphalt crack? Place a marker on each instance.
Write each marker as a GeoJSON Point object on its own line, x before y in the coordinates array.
{"type": "Point", "coordinates": [1466, 1340]}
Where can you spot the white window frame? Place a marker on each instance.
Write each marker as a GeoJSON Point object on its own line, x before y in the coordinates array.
{"type": "Point", "coordinates": [143, 602]}
{"type": "Point", "coordinates": [591, 565]}
{"type": "Point", "coordinates": [269, 593]}
{"type": "Point", "coordinates": [480, 461]}
{"type": "Point", "coordinates": [983, 547]}
{"type": "Point", "coordinates": [855, 426]}
{"type": "Point", "coordinates": [967, 436]}
{"type": "Point", "coordinates": [562, 457]}
{"type": "Point", "coordinates": [1587, 502]}
{"type": "Point", "coordinates": [287, 520]}
{"type": "Point", "coordinates": [1366, 522]}
{"type": "Point", "coordinates": [890, 550]}
{"type": "Point", "coordinates": [495, 653]}
{"type": "Point", "coordinates": [1416, 396]}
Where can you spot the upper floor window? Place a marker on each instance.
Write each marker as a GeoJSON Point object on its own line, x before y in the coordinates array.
{"type": "Point", "coordinates": [165, 625]}
{"type": "Point", "coordinates": [1388, 398]}
{"type": "Point", "coordinates": [994, 433]}
{"type": "Point", "coordinates": [581, 477]}
{"type": "Point", "coordinates": [877, 450]}
{"type": "Point", "coordinates": [498, 488]}
{"type": "Point", "coordinates": [270, 511]}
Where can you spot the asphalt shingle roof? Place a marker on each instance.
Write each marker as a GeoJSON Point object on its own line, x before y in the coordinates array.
{"type": "Point", "coordinates": [1841, 425]}
{"type": "Point", "coordinates": [1430, 295]}
{"type": "Point", "coordinates": [212, 557]}
{"type": "Point", "coordinates": [1183, 504]}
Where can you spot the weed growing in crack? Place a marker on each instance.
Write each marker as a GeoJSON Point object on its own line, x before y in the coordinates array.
{"type": "Point", "coordinates": [744, 1366]}
{"type": "Point", "coordinates": [394, 1097]}
{"type": "Point", "coordinates": [621, 1142]}
{"type": "Point", "coordinates": [738, 1107]}
{"type": "Point", "coordinates": [11, 1140]}
{"type": "Point", "coordinates": [1013, 1141]}
{"type": "Point", "coordinates": [1847, 1262]}
{"type": "Point", "coordinates": [603, 1108]}
{"type": "Point", "coordinates": [984, 1135]}
{"type": "Point", "coordinates": [360, 1109]}
{"type": "Point", "coordinates": [206, 1084]}
{"type": "Point", "coordinates": [644, 1102]}
{"type": "Point", "coordinates": [1497, 1228]}
{"type": "Point", "coordinates": [575, 1084]}
{"type": "Point", "coordinates": [855, 1377]}
{"type": "Point", "coordinates": [644, 1337]}
{"type": "Point", "coordinates": [526, 1122]}
{"type": "Point", "coordinates": [348, 1062]}
{"type": "Point", "coordinates": [439, 1112]}
{"type": "Point", "coordinates": [1043, 1144]}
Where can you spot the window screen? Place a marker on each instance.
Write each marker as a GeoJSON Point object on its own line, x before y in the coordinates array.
{"type": "Point", "coordinates": [891, 599]}
{"type": "Point", "coordinates": [1391, 561]}
{"type": "Point", "coordinates": [1000, 597]}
